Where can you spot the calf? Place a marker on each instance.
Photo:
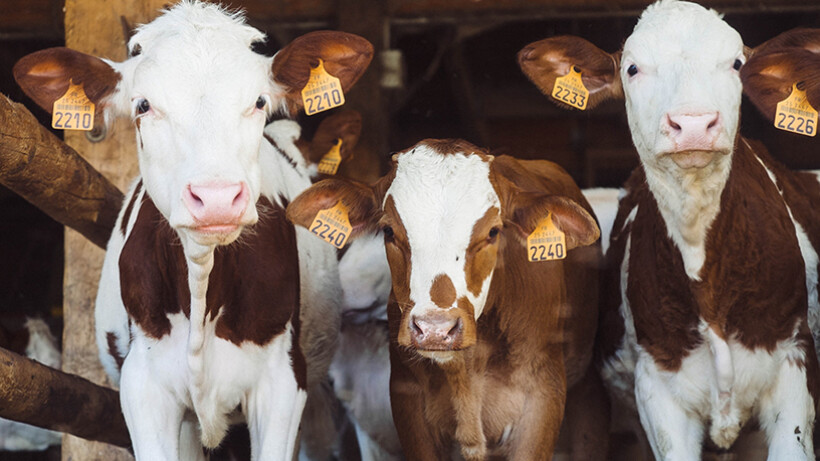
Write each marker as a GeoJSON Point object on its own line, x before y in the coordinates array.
{"type": "Point", "coordinates": [211, 305]}
{"type": "Point", "coordinates": [483, 343]}
{"type": "Point", "coordinates": [712, 296]}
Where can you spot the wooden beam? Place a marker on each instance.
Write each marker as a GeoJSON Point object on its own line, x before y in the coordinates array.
{"type": "Point", "coordinates": [39, 167]}
{"type": "Point", "coordinates": [35, 394]}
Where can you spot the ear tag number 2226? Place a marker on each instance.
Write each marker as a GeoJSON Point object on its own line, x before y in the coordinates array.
{"type": "Point", "coordinates": [546, 242]}
{"type": "Point", "coordinates": [570, 89]}
{"type": "Point", "coordinates": [73, 111]}
{"type": "Point", "coordinates": [332, 225]}
{"type": "Point", "coordinates": [322, 92]}
{"type": "Point", "coordinates": [795, 114]}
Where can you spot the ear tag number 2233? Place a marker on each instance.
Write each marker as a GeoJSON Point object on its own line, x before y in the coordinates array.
{"type": "Point", "coordinates": [73, 111]}
{"type": "Point", "coordinates": [332, 225]}
{"type": "Point", "coordinates": [570, 89]}
{"type": "Point", "coordinates": [322, 92]}
{"type": "Point", "coordinates": [546, 242]}
{"type": "Point", "coordinates": [795, 114]}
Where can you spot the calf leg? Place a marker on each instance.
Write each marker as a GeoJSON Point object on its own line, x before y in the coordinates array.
{"type": "Point", "coordinates": [587, 418]}
{"type": "Point", "coordinates": [787, 415]}
{"type": "Point", "coordinates": [674, 434]}
{"type": "Point", "coordinates": [153, 415]}
{"type": "Point", "coordinates": [274, 408]}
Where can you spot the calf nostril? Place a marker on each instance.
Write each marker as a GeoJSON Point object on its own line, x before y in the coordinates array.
{"type": "Point", "coordinates": [673, 124]}
{"type": "Point", "coordinates": [456, 328]}
{"type": "Point", "coordinates": [712, 124]}
{"type": "Point", "coordinates": [241, 196]}
{"type": "Point", "coordinates": [417, 329]}
{"type": "Point", "coordinates": [197, 200]}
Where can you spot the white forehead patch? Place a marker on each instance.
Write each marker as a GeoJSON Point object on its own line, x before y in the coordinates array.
{"type": "Point", "coordinates": [439, 198]}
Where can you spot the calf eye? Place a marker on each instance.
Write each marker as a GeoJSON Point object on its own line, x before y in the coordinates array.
{"type": "Point", "coordinates": [261, 102]}
{"type": "Point", "coordinates": [388, 232]}
{"type": "Point", "coordinates": [143, 106]}
{"type": "Point", "coordinates": [493, 233]}
{"type": "Point", "coordinates": [632, 70]}
{"type": "Point", "coordinates": [737, 64]}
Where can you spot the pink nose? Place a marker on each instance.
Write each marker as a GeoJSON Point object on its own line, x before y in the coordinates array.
{"type": "Point", "coordinates": [694, 132]}
{"type": "Point", "coordinates": [216, 204]}
{"type": "Point", "coordinates": [438, 331]}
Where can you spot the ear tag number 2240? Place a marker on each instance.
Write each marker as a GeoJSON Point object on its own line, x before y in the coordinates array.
{"type": "Point", "coordinates": [322, 92]}
{"type": "Point", "coordinates": [546, 242]}
{"type": "Point", "coordinates": [73, 111]}
{"type": "Point", "coordinates": [796, 114]}
{"type": "Point", "coordinates": [332, 225]}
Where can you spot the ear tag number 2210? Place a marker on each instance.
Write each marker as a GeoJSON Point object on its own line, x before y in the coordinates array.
{"type": "Point", "coordinates": [570, 89]}
{"type": "Point", "coordinates": [322, 92]}
{"type": "Point", "coordinates": [795, 114]}
{"type": "Point", "coordinates": [73, 111]}
{"type": "Point", "coordinates": [546, 242]}
{"type": "Point", "coordinates": [332, 225]}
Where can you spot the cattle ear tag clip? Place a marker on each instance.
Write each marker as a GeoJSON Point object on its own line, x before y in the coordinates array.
{"type": "Point", "coordinates": [332, 225]}
{"type": "Point", "coordinates": [329, 164]}
{"type": "Point", "coordinates": [570, 89]}
{"type": "Point", "coordinates": [322, 92]}
{"type": "Point", "coordinates": [795, 114]}
{"type": "Point", "coordinates": [546, 242]}
{"type": "Point", "coordinates": [73, 111]}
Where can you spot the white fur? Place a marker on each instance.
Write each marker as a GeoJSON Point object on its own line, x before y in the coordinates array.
{"type": "Point", "coordinates": [202, 81]}
{"type": "Point", "coordinates": [440, 198]}
{"type": "Point", "coordinates": [15, 436]}
{"type": "Point", "coordinates": [604, 202]}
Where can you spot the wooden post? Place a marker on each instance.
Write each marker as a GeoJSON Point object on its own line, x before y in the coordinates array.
{"type": "Point", "coordinates": [368, 19]}
{"type": "Point", "coordinates": [96, 27]}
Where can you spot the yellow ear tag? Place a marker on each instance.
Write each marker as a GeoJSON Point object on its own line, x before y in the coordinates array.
{"type": "Point", "coordinates": [329, 164]}
{"type": "Point", "coordinates": [570, 89]}
{"type": "Point", "coordinates": [547, 242]}
{"type": "Point", "coordinates": [74, 111]}
{"type": "Point", "coordinates": [795, 114]}
{"type": "Point", "coordinates": [322, 92]}
{"type": "Point", "coordinates": [332, 225]}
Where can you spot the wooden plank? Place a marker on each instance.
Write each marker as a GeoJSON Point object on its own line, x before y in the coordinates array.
{"type": "Point", "coordinates": [34, 163]}
{"type": "Point", "coordinates": [32, 18]}
{"type": "Point", "coordinates": [33, 393]}
{"type": "Point", "coordinates": [95, 27]}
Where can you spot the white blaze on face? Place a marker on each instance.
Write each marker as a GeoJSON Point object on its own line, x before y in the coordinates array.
{"type": "Point", "coordinates": [681, 86]}
{"type": "Point", "coordinates": [439, 198]}
{"type": "Point", "coordinates": [201, 80]}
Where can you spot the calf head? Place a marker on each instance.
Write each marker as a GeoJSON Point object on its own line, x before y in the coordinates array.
{"type": "Point", "coordinates": [199, 97]}
{"type": "Point", "coordinates": [680, 75]}
{"type": "Point", "coordinates": [446, 215]}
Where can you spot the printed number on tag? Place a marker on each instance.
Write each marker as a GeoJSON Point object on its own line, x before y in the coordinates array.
{"type": "Point", "coordinates": [322, 92]}
{"type": "Point", "coordinates": [570, 89]}
{"type": "Point", "coordinates": [73, 111]}
{"type": "Point", "coordinates": [332, 225]}
{"type": "Point", "coordinates": [329, 164]}
{"type": "Point", "coordinates": [546, 242]}
{"type": "Point", "coordinates": [796, 114]}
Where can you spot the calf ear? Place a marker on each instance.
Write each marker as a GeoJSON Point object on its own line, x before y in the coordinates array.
{"type": "Point", "coordinates": [45, 75]}
{"type": "Point", "coordinates": [345, 125]}
{"type": "Point", "coordinates": [345, 56]}
{"type": "Point", "coordinates": [578, 226]}
{"type": "Point", "coordinates": [357, 197]}
{"type": "Point", "coordinates": [792, 57]}
{"type": "Point", "coordinates": [546, 60]}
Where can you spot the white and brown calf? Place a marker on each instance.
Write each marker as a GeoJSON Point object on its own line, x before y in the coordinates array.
{"type": "Point", "coordinates": [209, 300]}
{"type": "Point", "coordinates": [483, 343]}
{"type": "Point", "coordinates": [712, 294]}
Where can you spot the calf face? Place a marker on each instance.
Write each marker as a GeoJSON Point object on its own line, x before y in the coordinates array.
{"type": "Point", "coordinates": [444, 213]}
{"type": "Point", "coordinates": [199, 97]}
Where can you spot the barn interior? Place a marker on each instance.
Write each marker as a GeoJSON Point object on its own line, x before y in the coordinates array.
{"type": "Point", "coordinates": [443, 69]}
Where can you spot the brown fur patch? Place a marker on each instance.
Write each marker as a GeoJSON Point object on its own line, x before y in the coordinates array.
{"type": "Point", "coordinates": [254, 282]}
{"type": "Point", "coordinates": [483, 250]}
{"type": "Point", "coordinates": [442, 291]}
{"type": "Point", "coordinates": [126, 216]}
{"type": "Point", "coordinates": [111, 340]}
